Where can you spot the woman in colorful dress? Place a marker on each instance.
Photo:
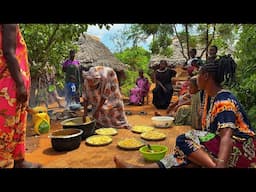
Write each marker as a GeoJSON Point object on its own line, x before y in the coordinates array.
{"type": "Point", "coordinates": [14, 97]}
{"type": "Point", "coordinates": [101, 90]}
{"type": "Point", "coordinates": [227, 138]}
{"type": "Point", "coordinates": [138, 93]}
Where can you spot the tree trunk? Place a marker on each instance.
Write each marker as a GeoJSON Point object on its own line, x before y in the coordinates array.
{"type": "Point", "coordinates": [187, 39]}
{"type": "Point", "coordinates": [33, 92]}
{"type": "Point", "coordinates": [182, 49]}
{"type": "Point", "coordinates": [38, 91]}
{"type": "Point", "coordinates": [208, 42]}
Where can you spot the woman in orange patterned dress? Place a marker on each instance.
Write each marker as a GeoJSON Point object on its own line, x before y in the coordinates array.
{"type": "Point", "coordinates": [101, 90]}
{"type": "Point", "coordinates": [14, 96]}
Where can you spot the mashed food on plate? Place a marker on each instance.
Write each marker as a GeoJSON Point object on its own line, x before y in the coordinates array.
{"type": "Point", "coordinates": [141, 128]}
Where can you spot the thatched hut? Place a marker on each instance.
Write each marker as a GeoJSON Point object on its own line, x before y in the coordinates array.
{"type": "Point", "coordinates": [94, 53]}
{"type": "Point", "coordinates": [155, 60]}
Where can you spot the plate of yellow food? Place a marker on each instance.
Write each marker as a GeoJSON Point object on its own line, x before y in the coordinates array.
{"type": "Point", "coordinates": [153, 135]}
{"type": "Point", "coordinates": [98, 140]}
{"type": "Point", "coordinates": [130, 143]}
{"type": "Point", "coordinates": [141, 128]}
{"type": "Point", "coordinates": [106, 131]}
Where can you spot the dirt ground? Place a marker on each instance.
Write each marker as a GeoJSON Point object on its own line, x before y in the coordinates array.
{"type": "Point", "coordinates": [39, 148]}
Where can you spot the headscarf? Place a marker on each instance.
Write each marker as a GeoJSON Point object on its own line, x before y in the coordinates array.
{"type": "Point", "coordinates": [93, 75]}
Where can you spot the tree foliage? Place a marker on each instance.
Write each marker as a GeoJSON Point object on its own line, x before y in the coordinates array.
{"type": "Point", "coordinates": [137, 58]}
{"type": "Point", "coordinates": [161, 37]}
{"type": "Point", "coordinates": [50, 44]}
{"type": "Point", "coordinates": [246, 73]}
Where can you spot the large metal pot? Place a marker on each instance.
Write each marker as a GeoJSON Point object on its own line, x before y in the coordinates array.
{"type": "Point", "coordinates": [77, 122]}
{"type": "Point", "coordinates": [66, 139]}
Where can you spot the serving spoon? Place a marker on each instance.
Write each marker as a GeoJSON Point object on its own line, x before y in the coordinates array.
{"type": "Point", "coordinates": [150, 148]}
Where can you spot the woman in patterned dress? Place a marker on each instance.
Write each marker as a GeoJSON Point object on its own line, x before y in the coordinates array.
{"type": "Point", "coordinates": [14, 96]}
{"type": "Point", "coordinates": [227, 138]}
{"type": "Point", "coordinates": [101, 90]}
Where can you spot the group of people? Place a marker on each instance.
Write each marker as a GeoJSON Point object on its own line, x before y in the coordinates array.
{"type": "Point", "coordinates": [225, 138]}
{"type": "Point", "coordinates": [100, 89]}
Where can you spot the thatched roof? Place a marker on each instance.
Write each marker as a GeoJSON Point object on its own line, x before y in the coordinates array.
{"type": "Point", "coordinates": [155, 60]}
{"type": "Point", "coordinates": [94, 53]}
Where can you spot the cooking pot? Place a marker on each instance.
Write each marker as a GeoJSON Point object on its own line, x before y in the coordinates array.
{"type": "Point", "coordinates": [88, 128]}
{"type": "Point", "coordinates": [66, 139]}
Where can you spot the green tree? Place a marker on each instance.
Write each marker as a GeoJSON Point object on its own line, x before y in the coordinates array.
{"type": "Point", "coordinates": [161, 37]}
{"type": "Point", "coordinates": [221, 35]}
{"type": "Point", "coordinates": [245, 88]}
{"type": "Point", "coordinates": [137, 58]}
{"type": "Point", "coordinates": [49, 43]}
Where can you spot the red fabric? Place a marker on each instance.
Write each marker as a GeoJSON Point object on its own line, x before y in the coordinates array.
{"type": "Point", "coordinates": [13, 117]}
{"type": "Point", "coordinates": [240, 153]}
{"type": "Point", "coordinates": [184, 88]}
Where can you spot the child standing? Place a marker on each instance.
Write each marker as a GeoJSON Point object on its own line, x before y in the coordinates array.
{"type": "Point", "coordinates": [72, 91]}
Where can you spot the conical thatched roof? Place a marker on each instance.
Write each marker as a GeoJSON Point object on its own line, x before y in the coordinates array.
{"type": "Point", "coordinates": [94, 53]}
{"type": "Point", "coordinates": [155, 60]}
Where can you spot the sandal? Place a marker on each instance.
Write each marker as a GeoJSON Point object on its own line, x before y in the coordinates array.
{"type": "Point", "coordinates": [143, 113]}
{"type": "Point", "coordinates": [128, 112]}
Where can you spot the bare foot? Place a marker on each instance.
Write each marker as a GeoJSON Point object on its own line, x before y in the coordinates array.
{"type": "Point", "coordinates": [26, 164]}
{"type": "Point", "coordinates": [128, 127]}
{"type": "Point", "coordinates": [122, 164]}
{"type": "Point", "coordinates": [6, 164]}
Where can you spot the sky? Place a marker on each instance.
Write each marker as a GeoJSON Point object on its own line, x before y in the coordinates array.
{"type": "Point", "coordinates": [105, 35]}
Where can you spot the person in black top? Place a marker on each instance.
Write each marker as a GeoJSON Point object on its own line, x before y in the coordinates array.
{"type": "Point", "coordinates": [162, 93]}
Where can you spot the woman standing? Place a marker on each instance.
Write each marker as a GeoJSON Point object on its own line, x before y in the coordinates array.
{"type": "Point", "coordinates": [14, 96]}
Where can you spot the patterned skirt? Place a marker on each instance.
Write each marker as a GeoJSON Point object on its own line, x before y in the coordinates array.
{"type": "Point", "coordinates": [242, 155]}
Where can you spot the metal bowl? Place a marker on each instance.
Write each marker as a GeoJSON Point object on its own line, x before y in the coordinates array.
{"type": "Point", "coordinates": [75, 106]}
{"type": "Point", "coordinates": [77, 123]}
{"type": "Point", "coordinates": [66, 139]}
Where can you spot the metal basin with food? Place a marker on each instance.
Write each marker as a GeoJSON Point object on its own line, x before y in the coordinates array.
{"type": "Point", "coordinates": [66, 139]}
{"type": "Point", "coordinates": [162, 121]}
{"type": "Point", "coordinates": [77, 122]}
